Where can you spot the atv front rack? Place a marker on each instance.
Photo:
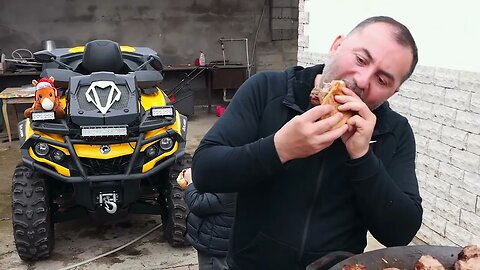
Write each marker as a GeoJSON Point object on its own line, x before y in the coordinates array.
{"type": "Point", "coordinates": [83, 177]}
{"type": "Point", "coordinates": [147, 123]}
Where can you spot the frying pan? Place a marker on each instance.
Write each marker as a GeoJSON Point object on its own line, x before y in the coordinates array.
{"type": "Point", "coordinates": [403, 257]}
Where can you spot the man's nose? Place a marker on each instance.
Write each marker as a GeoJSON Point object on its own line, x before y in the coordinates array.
{"type": "Point", "coordinates": [362, 79]}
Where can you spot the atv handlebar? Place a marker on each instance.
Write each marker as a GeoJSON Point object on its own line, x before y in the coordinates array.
{"type": "Point", "coordinates": [154, 61]}
{"type": "Point", "coordinates": [47, 57]}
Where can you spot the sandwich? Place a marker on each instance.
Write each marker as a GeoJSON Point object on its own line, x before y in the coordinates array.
{"type": "Point", "coordinates": [326, 95]}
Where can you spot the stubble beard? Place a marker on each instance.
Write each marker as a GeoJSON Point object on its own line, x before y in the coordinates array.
{"type": "Point", "coordinates": [330, 74]}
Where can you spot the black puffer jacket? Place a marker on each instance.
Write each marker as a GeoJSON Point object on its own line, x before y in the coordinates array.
{"type": "Point", "coordinates": [210, 221]}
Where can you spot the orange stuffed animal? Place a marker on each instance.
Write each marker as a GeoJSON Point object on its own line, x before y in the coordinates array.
{"type": "Point", "coordinates": [46, 98]}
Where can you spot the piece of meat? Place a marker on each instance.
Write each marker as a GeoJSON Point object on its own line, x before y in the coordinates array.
{"type": "Point", "coordinates": [470, 264]}
{"type": "Point", "coordinates": [468, 258]}
{"type": "Point", "coordinates": [427, 262]}
{"type": "Point", "coordinates": [469, 252]}
{"type": "Point", "coordinates": [355, 266]}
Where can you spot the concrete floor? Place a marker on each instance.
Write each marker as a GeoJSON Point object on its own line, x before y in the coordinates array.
{"type": "Point", "coordinates": [79, 240]}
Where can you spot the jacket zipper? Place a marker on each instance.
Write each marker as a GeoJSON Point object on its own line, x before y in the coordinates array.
{"type": "Point", "coordinates": [310, 211]}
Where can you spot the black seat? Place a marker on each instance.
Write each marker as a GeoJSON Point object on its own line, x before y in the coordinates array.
{"type": "Point", "coordinates": [102, 55]}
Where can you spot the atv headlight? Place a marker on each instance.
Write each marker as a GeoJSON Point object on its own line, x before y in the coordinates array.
{"type": "Point", "coordinates": [166, 143]}
{"type": "Point", "coordinates": [162, 111]}
{"type": "Point", "coordinates": [58, 156]}
{"type": "Point", "coordinates": [151, 151]}
{"type": "Point", "coordinates": [41, 149]}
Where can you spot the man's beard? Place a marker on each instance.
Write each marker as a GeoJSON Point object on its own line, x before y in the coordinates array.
{"type": "Point", "coordinates": [329, 75]}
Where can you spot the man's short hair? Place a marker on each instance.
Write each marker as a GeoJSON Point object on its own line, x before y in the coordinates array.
{"type": "Point", "coordinates": [402, 36]}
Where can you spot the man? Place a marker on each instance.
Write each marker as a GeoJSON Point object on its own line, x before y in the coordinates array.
{"type": "Point", "coordinates": [305, 190]}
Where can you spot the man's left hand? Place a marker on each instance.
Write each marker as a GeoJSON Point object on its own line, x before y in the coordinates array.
{"type": "Point", "coordinates": [360, 126]}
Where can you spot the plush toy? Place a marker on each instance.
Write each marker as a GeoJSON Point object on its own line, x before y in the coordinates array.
{"type": "Point", "coordinates": [46, 98]}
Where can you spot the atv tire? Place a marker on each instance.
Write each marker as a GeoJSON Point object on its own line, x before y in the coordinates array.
{"type": "Point", "coordinates": [175, 226]}
{"type": "Point", "coordinates": [33, 228]}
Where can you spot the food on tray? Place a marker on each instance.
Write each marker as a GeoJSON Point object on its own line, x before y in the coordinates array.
{"type": "Point", "coordinates": [427, 262]}
{"type": "Point", "coordinates": [355, 266]}
{"type": "Point", "coordinates": [468, 258]}
{"type": "Point", "coordinates": [469, 252]}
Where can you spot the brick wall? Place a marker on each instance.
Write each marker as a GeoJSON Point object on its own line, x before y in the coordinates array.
{"type": "Point", "coordinates": [443, 107]}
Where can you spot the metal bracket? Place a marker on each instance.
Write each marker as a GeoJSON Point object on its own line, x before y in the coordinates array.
{"type": "Point", "coordinates": [108, 201]}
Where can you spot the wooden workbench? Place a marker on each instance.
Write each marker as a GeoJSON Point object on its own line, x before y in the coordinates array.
{"type": "Point", "coordinates": [15, 95]}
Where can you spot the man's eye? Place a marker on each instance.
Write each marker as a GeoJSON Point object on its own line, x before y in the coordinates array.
{"type": "Point", "coordinates": [361, 61]}
{"type": "Point", "coordinates": [382, 81]}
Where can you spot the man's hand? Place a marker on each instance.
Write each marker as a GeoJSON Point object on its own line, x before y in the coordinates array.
{"type": "Point", "coordinates": [360, 126]}
{"type": "Point", "coordinates": [305, 135]}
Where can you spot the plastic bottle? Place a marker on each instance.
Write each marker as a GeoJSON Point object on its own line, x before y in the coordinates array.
{"type": "Point", "coordinates": [202, 59]}
{"type": "Point", "coordinates": [2, 62]}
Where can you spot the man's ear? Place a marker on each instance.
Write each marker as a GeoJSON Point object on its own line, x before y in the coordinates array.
{"type": "Point", "coordinates": [336, 43]}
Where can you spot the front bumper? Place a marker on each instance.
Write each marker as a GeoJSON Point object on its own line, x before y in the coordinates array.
{"type": "Point", "coordinates": [132, 171]}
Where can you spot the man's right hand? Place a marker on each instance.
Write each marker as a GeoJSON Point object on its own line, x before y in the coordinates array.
{"type": "Point", "coordinates": [305, 135]}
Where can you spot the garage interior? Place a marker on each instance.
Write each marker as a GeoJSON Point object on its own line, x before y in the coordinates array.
{"type": "Point", "coordinates": [238, 39]}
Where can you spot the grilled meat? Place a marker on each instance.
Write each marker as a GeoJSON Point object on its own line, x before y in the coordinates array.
{"type": "Point", "coordinates": [355, 266]}
{"type": "Point", "coordinates": [427, 262]}
{"type": "Point", "coordinates": [468, 258]}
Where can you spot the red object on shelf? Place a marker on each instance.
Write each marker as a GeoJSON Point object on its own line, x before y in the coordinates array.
{"type": "Point", "coordinates": [197, 62]}
{"type": "Point", "coordinates": [220, 110]}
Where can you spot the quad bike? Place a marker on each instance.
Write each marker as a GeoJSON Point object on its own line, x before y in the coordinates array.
{"type": "Point", "coordinates": [118, 150]}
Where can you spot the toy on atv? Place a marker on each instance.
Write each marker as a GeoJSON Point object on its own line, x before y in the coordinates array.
{"type": "Point", "coordinates": [118, 150]}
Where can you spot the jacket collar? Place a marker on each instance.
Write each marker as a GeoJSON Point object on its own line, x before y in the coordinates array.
{"type": "Point", "coordinates": [384, 120]}
{"type": "Point", "coordinates": [300, 83]}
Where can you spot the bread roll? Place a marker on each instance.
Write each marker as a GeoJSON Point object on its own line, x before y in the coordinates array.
{"type": "Point", "coordinates": [327, 96]}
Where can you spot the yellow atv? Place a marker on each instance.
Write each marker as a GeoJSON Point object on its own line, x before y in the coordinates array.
{"type": "Point", "coordinates": [118, 150]}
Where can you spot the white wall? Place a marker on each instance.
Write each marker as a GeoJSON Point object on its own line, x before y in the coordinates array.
{"type": "Point", "coordinates": [447, 32]}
